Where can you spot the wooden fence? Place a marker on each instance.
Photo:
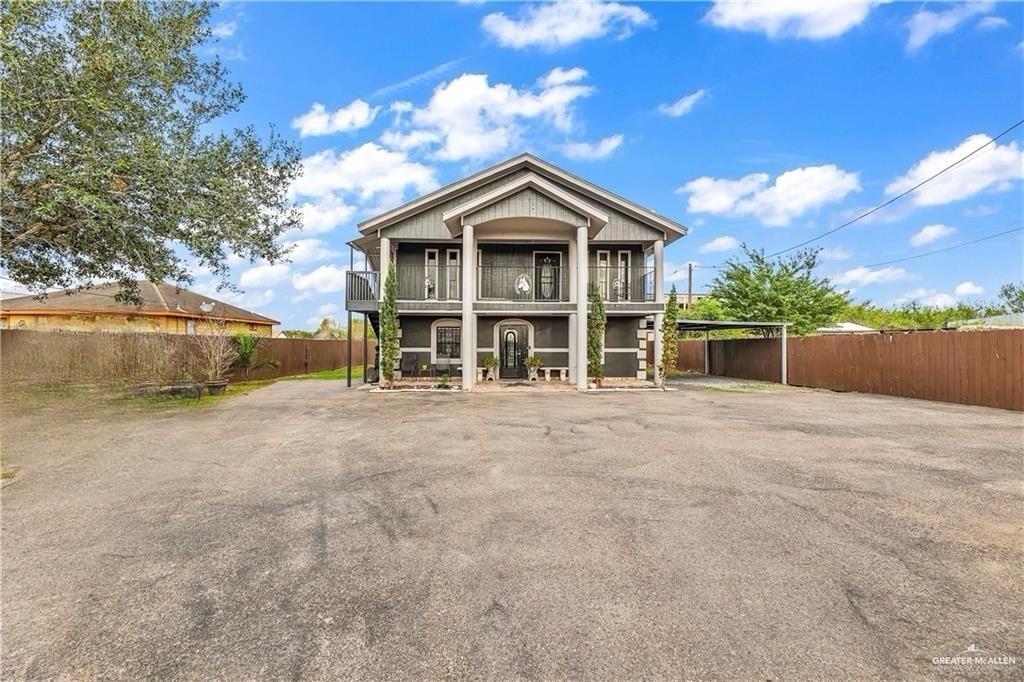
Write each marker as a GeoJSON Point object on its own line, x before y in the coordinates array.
{"type": "Point", "coordinates": [969, 367]}
{"type": "Point", "coordinates": [59, 357]}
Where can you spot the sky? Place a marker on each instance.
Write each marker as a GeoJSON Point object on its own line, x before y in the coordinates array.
{"type": "Point", "coordinates": [764, 124]}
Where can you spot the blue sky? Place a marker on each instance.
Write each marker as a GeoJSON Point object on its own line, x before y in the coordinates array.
{"type": "Point", "coordinates": [764, 124]}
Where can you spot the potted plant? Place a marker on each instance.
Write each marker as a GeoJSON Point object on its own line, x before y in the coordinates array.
{"type": "Point", "coordinates": [442, 381]}
{"type": "Point", "coordinates": [533, 364]}
{"type": "Point", "coordinates": [491, 367]}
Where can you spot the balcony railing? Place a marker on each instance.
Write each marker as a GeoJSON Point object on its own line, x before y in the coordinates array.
{"type": "Point", "coordinates": [623, 285]}
{"type": "Point", "coordinates": [361, 287]}
{"type": "Point", "coordinates": [429, 282]}
{"type": "Point", "coordinates": [523, 283]}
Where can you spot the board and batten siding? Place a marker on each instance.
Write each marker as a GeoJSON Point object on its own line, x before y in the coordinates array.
{"type": "Point", "coordinates": [527, 202]}
{"type": "Point", "coordinates": [427, 224]}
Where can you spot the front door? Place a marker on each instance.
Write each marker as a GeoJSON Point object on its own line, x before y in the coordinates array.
{"type": "Point", "coordinates": [512, 340]}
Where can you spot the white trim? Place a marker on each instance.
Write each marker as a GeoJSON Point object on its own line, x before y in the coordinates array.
{"type": "Point", "coordinates": [443, 322]}
{"type": "Point", "coordinates": [448, 276]}
{"type": "Point", "coordinates": [550, 350]}
{"type": "Point", "coordinates": [426, 274]}
{"type": "Point", "coordinates": [439, 195]}
{"type": "Point", "coordinates": [622, 350]}
{"type": "Point", "coordinates": [413, 349]}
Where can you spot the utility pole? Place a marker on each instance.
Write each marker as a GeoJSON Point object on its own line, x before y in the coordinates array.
{"type": "Point", "coordinates": [348, 330]}
{"type": "Point", "coordinates": [689, 285]}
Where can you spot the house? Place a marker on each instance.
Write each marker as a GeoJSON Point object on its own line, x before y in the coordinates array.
{"type": "Point", "coordinates": [845, 328]}
{"type": "Point", "coordinates": [501, 263]}
{"type": "Point", "coordinates": [165, 308]}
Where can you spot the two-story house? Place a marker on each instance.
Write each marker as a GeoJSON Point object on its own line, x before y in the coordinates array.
{"type": "Point", "coordinates": [501, 263]}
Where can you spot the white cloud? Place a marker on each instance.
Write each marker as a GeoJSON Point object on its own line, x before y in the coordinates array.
{"type": "Point", "coordinates": [939, 300]}
{"type": "Point", "coordinates": [326, 309]}
{"type": "Point", "coordinates": [723, 243]}
{"type": "Point", "coordinates": [559, 24]}
{"type": "Point", "coordinates": [248, 300]}
{"type": "Point", "coordinates": [682, 105]}
{"type": "Point", "coordinates": [560, 76]}
{"type": "Point", "coordinates": [265, 275]}
{"type": "Point", "coordinates": [224, 29]}
{"type": "Point", "coordinates": [989, 23]}
{"type": "Point", "coordinates": [592, 151]}
{"type": "Point", "coordinates": [926, 24]}
{"type": "Point", "coordinates": [968, 288]}
{"type": "Point", "coordinates": [317, 121]}
{"type": "Point", "coordinates": [468, 118]}
{"type": "Point", "coordinates": [325, 279]}
{"type": "Point", "coordinates": [996, 167]}
{"type": "Point", "coordinates": [367, 171]}
{"type": "Point", "coordinates": [419, 78]}
{"type": "Point", "coordinates": [863, 275]}
{"type": "Point", "coordinates": [793, 193]}
{"type": "Point", "coordinates": [810, 19]}
{"type": "Point", "coordinates": [678, 273]}
{"type": "Point", "coordinates": [836, 253]}
{"type": "Point", "coordinates": [930, 233]}
{"type": "Point", "coordinates": [324, 214]}
{"type": "Point", "coordinates": [310, 251]}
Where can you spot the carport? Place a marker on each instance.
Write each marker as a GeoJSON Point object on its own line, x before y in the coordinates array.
{"type": "Point", "coordinates": [708, 326]}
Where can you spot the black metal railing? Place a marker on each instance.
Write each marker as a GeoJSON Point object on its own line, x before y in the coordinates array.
{"type": "Point", "coordinates": [362, 286]}
{"type": "Point", "coordinates": [429, 282]}
{"type": "Point", "coordinates": [621, 284]}
{"type": "Point", "coordinates": [523, 283]}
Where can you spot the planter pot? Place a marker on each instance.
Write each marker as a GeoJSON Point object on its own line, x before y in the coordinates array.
{"type": "Point", "coordinates": [185, 389]}
{"type": "Point", "coordinates": [217, 387]}
{"type": "Point", "coordinates": [490, 374]}
{"type": "Point", "coordinates": [534, 373]}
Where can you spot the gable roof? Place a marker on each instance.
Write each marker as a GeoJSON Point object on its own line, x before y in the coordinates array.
{"type": "Point", "coordinates": [596, 218]}
{"type": "Point", "coordinates": [671, 228]}
{"type": "Point", "coordinates": [157, 299]}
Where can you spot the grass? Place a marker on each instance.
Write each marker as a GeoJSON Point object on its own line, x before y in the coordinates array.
{"type": "Point", "coordinates": [240, 388]}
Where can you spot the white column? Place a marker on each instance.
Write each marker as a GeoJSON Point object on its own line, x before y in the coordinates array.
{"type": "Point", "coordinates": [659, 271]}
{"type": "Point", "coordinates": [658, 319]}
{"type": "Point", "coordinates": [582, 279]}
{"type": "Point", "coordinates": [572, 271]}
{"type": "Point", "coordinates": [468, 319]}
{"type": "Point", "coordinates": [385, 263]}
{"type": "Point", "coordinates": [572, 345]}
{"type": "Point", "coordinates": [785, 358]}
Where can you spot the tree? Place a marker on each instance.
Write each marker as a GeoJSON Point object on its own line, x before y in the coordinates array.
{"type": "Point", "coordinates": [389, 326]}
{"type": "Point", "coordinates": [247, 346]}
{"type": "Point", "coordinates": [669, 336]}
{"type": "Point", "coordinates": [213, 352]}
{"type": "Point", "coordinates": [596, 322]}
{"type": "Point", "coordinates": [112, 163]}
{"type": "Point", "coordinates": [1013, 295]}
{"type": "Point", "coordinates": [784, 290]}
{"type": "Point", "coordinates": [707, 308]}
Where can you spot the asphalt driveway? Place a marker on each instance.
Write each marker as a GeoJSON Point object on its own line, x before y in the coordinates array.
{"type": "Point", "coordinates": [306, 531]}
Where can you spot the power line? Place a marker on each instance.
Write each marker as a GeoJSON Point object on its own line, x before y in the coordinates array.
{"type": "Point", "coordinates": [901, 195]}
{"type": "Point", "coordinates": [948, 248]}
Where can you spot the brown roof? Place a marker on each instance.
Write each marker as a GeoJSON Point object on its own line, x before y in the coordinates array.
{"type": "Point", "coordinates": [157, 299]}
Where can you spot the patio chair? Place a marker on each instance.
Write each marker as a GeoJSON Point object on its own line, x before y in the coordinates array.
{"type": "Point", "coordinates": [410, 365]}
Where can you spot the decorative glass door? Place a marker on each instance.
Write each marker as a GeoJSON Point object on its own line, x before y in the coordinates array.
{"type": "Point", "coordinates": [430, 278]}
{"type": "Point", "coordinates": [453, 274]}
{"type": "Point", "coordinates": [512, 340]}
{"type": "Point", "coordinates": [621, 284]}
{"type": "Point", "coordinates": [547, 274]}
{"type": "Point", "coordinates": [603, 273]}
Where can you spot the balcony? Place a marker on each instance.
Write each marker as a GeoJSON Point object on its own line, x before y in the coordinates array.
{"type": "Point", "coordinates": [623, 285]}
{"type": "Point", "coordinates": [362, 290]}
{"type": "Point", "coordinates": [541, 283]}
{"type": "Point", "coordinates": [429, 283]}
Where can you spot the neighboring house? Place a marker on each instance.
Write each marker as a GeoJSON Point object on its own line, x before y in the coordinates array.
{"type": "Point", "coordinates": [501, 263]}
{"type": "Point", "coordinates": [845, 328]}
{"type": "Point", "coordinates": [164, 308]}
{"type": "Point", "coordinates": [1010, 320]}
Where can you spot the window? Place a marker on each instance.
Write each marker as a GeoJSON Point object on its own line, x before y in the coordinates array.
{"type": "Point", "coordinates": [448, 342]}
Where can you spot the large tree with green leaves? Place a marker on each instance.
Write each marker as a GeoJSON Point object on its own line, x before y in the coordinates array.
{"type": "Point", "coordinates": [784, 290]}
{"type": "Point", "coordinates": [1013, 295]}
{"type": "Point", "coordinates": [112, 160]}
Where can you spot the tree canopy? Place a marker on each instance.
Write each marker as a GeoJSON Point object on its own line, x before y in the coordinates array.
{"type": "Point", "coordinates": [1013, 295]}
{"type": "Point", "coordinates": [113, 165]}
{"type": "Point", "coordinates": [783, 290]}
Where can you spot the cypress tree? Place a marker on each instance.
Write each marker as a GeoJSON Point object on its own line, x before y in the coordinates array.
{"type": "Point", "coordinates": [389, 326]}
{"type": "Point", "coordinates": [596, 322]}
{"type": "Point", "coordinates": [669, 335]}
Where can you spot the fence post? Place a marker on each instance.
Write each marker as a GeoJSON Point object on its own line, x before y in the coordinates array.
{"type": "Point", "coordinates": [785, 369]}
{"type": "Point", "coordinates": [707, 356]}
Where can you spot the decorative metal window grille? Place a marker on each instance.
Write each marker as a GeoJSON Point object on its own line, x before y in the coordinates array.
{"type": "Point", "coordinates": [449, 341]}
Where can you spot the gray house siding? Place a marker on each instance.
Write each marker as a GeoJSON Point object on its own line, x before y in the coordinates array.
{"type": "Point", "coordinates": [621, 333]}
{"type": "Point", "coordinates": [526, 202]}
{"type": "Point", "coordinates": [428, 224]}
